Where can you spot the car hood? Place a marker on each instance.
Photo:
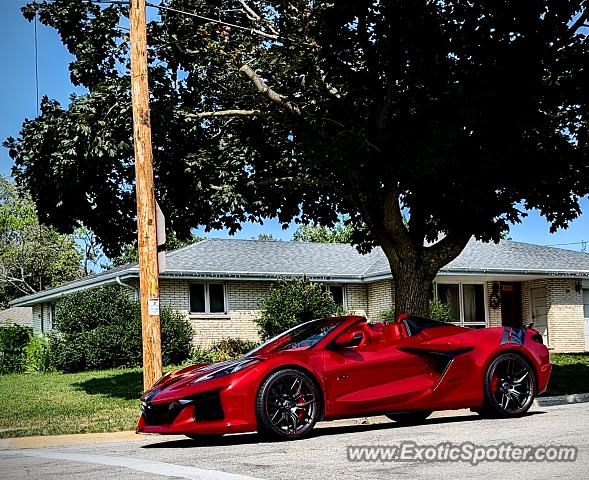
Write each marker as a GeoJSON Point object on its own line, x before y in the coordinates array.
{"type": "Point", "coordinates": [185, 376]}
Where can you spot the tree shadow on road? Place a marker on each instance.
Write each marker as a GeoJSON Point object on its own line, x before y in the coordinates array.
{"type": "Point", "coordinates": [126, 385]}
{"type": "Point", "coordinates": [252, 438]}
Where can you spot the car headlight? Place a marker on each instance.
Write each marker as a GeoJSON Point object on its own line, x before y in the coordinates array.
{"type": "Point", "coordinates": [227, 368]}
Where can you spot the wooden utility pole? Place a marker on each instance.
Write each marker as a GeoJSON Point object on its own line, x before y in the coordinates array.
{"type": "Point", "coordinates": [146, 210]}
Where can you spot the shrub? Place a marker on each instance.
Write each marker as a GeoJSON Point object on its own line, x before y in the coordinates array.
{"type": "Point", "coordinates": [439, 311]}
{"type": "Point", "coordinates": [38, 355]}
{"type": "Point", "coordinates": [388, 314]}
{"type": "Point", "coordinates": [436, 311]}
{"type": "Point", "coordinates": [226, 349]}
{"type": "Point", "coordinates": [101, 329]}
{"type": "Point", "coordinates": [292, 302]}
{"type": "Point", "coordinates": [176, 337]}
{"type": "Point", "coordinates": [69, 351]}
{"type": "Point", "coordinates": [13, 340]}
{"type": "Point", "coordinates": [86, 310]}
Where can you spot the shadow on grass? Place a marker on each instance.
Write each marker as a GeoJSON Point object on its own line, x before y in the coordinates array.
{"type": "Point", "coordinates": [126, 386]}
{"type": "Point", "coordinates": [253, 438]}
{"type": "Point", "coordinates": [567, 379]}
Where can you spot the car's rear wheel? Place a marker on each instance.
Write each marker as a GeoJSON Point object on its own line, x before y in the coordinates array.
{"type": "Point", "coordinates": [410, 418]}
{"type": "Point", "coordinates": [510, 387]}
{"type": "Point", "coordinates": [288, 405]}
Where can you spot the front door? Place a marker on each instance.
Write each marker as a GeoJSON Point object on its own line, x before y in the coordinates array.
{"type": "Point", "coordinates": [373, 378]}
{"type": "Point", "coordinates": [511, 304]}
{"type": "Point", "coordinates": [539, 312]}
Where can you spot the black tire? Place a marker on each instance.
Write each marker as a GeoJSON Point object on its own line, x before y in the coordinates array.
{"type": "Point", "coordinates": [288, 405]}
{"type": "Point", "coordinates": [410, 418]}
{"type": "Point", "coordinates": [510, 387]}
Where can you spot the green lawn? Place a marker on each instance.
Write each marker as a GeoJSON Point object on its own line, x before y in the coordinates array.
{"type": "Point", "coordinates": [58, 403]}
{"type": "Point", "coordinates": [570, 374]}
{"type": "Point", "coordinates": [107, 401]}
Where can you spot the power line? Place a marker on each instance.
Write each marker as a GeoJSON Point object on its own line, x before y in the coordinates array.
{"type": "Point", "coordinates": [196, 15]}
{"type": "Point", "coordinates": [583, 244]}
{"type": "Point", "coordinates": [36, 65]}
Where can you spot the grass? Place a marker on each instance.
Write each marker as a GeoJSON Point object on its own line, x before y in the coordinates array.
{"type": "Point", "coordinates": [58, 403]}
{"type": "Point", "coordinates": [107, 401]}
{"type": "Point", "coordinates": [570, 374]}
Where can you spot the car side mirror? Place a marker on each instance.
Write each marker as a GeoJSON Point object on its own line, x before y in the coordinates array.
{"type": "Point", "coordinates": [349, 339]}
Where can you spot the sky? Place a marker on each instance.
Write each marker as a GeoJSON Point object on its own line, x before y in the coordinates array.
{"type": "Point", "coordinates": [18, 101]}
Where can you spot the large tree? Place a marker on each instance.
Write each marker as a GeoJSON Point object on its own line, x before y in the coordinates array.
{"type": "Point", "coordinates": [32, 256]}
{"type": "Point", "coordinates": [455, 115]}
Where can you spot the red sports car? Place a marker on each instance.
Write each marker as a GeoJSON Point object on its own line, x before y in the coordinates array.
{"type": "Point", "coordinates": [345, 367]}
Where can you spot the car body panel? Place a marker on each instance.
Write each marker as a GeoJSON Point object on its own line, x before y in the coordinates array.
{"type": "Point", "coordinates": [399, 368]}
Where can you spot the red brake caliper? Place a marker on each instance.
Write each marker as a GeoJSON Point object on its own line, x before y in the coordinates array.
{"type": "Point", "coordinates": [494, 383]}
{"type": "Point", "coordinates": [302, 411]}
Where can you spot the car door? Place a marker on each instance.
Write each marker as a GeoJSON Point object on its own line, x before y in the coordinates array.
{"type": "Point", "coordinates": [374, 378]}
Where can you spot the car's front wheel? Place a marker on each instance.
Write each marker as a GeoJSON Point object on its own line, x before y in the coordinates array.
{"type": "Point", "coordinates": [288, 405]}
{"type": "Point", "coordinates": [510, 386]}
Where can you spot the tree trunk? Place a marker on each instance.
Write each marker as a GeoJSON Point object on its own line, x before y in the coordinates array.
{"type": "Point", "coordinates": [413, 289]}
{"type": "Point", "coordinates": [414, 265]}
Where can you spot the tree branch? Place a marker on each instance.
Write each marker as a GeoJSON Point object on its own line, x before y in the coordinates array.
{"type": "Point", "coordinates": [250, 11]}
{"type": "Point", "coordinates": [270, 94]}
{"type": "Point", "coordinates": [446, 250]}
{"type": "Point", "coordinates": [395, 226]}
{"type": "Point", "coordinates": [313, 182]}
{"type": "Point", "coordinates": [231, 113]}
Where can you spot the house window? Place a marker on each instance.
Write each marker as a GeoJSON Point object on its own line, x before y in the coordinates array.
{"type": "Point", "coordinates": [337, 292]}
{"type": "Point", "coordinates": [51, 316]}
{"type": "Point", "coordinates": [207, 298]}
{"type": "Point", "coordinates": [466, 302]}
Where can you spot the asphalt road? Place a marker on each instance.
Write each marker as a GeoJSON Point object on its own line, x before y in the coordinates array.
{"type": "Point", "coordinates": [323, 456]}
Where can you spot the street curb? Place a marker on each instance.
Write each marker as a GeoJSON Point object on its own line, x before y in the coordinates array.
{"type": "Point", "coordinates": [62, 440]}
{"type": "Point", "coordinates": [561, 400]}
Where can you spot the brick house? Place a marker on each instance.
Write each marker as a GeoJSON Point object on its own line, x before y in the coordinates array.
{"type": "Point", "coordinates": [217, 284]}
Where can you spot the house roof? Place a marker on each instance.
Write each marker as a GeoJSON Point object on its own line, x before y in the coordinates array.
{"type": "Point", "coordinates": [269, 260]}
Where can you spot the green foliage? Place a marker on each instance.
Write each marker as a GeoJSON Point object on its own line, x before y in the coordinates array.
{"type": "Point", "coordinates": [13, 340]}
{"type": "Point", "coordinates": [226, 349]}
{"type": "Point", "coordinates": [38, 355]}
{"type": "Point", "coordinates": [89, 248]}
{"type": "Point", "coordinates": [291, 302]}
{"type": "Point", "coordinates": [448, 112]}
{"type": "Point", "coordinates": [101, 329]}
{"type": "Point", "coordinates": [341, 232]}
{"type": "Point", "coordinates": [86, 310]}
{"type": "Point", "coordinates": [177, 337]}
{"type": "Point", "coordinates": [438, 310]}
{"type": "Point", "coordinates": [266, 237]}
{"type": "Point", "coordinates": [388, 314]}
{"type": "Point", "coordinates": [33, 257]}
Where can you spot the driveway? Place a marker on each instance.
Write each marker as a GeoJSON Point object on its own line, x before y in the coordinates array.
{"type": "Point", "coordinates": [324, 456]}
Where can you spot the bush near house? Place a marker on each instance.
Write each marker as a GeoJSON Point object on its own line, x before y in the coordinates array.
{"type": "Point", "coordinates": [13, 340]}
{"type": "Point", "coordinates": [226, 349]}
{"type": "Point", "coordinates": [436, 311]}
{"type": "Point", "coordinates": [38, 355]}
{"type": "Point", "coordinates": [100, 329]}
{"type": "Point", "coordinates": [291, 302]}
{"type": "Point", "coordinates": [439, 311]}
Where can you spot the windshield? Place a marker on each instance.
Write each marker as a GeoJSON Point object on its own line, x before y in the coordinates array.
{"type": "Point", "coordinates": [304, 335]}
